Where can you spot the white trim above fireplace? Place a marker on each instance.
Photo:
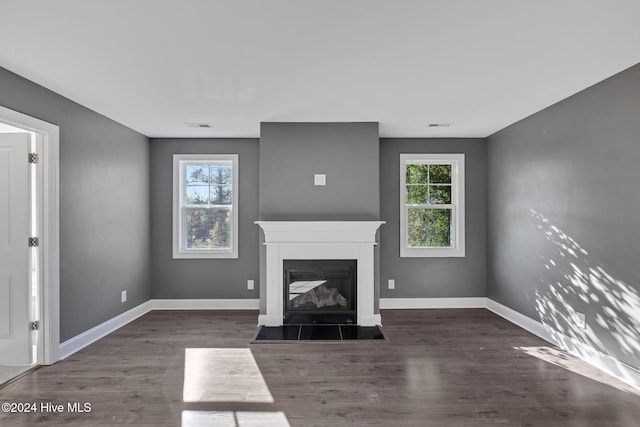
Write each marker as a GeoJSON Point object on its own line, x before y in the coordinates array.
{"type": "Point", "coordinates": [320, 240]}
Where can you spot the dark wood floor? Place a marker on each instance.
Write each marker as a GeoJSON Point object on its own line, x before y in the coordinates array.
{"type": "Point", "coordinates": [439, 368]}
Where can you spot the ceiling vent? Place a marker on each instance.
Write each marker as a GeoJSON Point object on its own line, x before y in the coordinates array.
{"type": "Point", "coordinates": [199, 125]}
{"type": "Point", "coordinates": [439, 125]}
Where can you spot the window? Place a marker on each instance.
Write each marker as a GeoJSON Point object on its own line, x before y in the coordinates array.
{"type": "Point", "coordinates": [432, 205]}
{"type": "Point", "coordinates": [205, 206]}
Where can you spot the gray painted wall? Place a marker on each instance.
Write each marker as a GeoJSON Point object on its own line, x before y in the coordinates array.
{"type": "Point", "coordinates": [104, 206]}
{"type": "Point", "coordinates": [203, 278]}
{"type": "Point", "coordinates": [563, 223]}
{"type": "Point", "coordinates": [291, 153]}
{"type": "Point", "coordinates": [433, 277]}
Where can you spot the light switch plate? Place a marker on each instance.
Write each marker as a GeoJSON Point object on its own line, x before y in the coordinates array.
{"type": "Point", "coordinates": [319, 179]}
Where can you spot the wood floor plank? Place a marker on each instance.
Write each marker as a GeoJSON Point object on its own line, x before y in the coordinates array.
{"type": "Point", "coordinates": [438, 368]}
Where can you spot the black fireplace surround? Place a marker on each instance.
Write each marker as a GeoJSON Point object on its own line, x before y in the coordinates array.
{"type": "Point", "coordinates": [319, 292]}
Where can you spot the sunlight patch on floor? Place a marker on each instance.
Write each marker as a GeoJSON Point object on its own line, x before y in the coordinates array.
{"type": "Point", "coordinates": [223, 375]}
{"type": "Point", "coordinates": [234, 419]}
{"type": "Point", "coordinates": [571, 363]}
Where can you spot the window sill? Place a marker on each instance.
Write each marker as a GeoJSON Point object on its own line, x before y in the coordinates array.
{"type": "Point", "coordinates": [206, 255]}
{"type": "Point", "coordinates": [431, 253]}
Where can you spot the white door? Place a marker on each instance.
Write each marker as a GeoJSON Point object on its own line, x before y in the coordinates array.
{"type": "Point", "coordinates": [14, 250]}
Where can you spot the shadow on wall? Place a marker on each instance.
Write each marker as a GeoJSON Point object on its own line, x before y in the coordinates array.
{"type": "Point", "coordinates": [576, 282]}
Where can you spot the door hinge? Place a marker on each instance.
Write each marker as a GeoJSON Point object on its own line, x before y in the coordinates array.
{"type": "Point", "coordinates": [33, 158]}
{"type": "Point", "coordinates": [34, 242]}
{"type": "Point", "coordinates": [35, 325]}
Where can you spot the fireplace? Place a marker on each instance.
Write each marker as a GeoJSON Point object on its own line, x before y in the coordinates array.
{"type": "Point", "coordinates": [309, 241]}
{"type": "Point", "coordinates": [319, 291]}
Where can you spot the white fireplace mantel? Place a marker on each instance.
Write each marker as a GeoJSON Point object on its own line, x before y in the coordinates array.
{"type": "Point", "coordinates": [288, 240]}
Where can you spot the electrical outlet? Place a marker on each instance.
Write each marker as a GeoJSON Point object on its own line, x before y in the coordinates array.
{"type": "Point", "coordinates": [250, 285]}
{"type": "Point", "coordinates": [123, 296]}
{"type": "Point", "coordinates": [319, 179]}
{"type": "Point", "coordinates": [581, 320]}
{"type": "Point", "coordinates": [391, 284]}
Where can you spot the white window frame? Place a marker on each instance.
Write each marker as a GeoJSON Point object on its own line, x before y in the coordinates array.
{"type": "Point", "coordinates": [457, 249]}
{"type": "Point", "coordinates": [179, 222]}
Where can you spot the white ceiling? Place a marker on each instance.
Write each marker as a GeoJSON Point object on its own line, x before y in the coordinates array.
{"type": "Point", "coordinates": [155, 65]}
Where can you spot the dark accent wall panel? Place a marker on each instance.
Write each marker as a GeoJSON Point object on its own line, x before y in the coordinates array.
{"type": "Point", "coordinates": [564, 229]}
{"type": "Point", "coordinates": [203, 278]}
{"type": "Point", "coordinates": [104, 206]}
{"type": "Point", "coordinates": [290, 155]}
{"type": "Point", "coordinates": [433, 277]}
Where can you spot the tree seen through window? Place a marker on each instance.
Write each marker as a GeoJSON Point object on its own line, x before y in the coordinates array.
{"type": "Point", "coordinates": [208, 203]}
{"type": "Point", "coordinates": [428, 200]}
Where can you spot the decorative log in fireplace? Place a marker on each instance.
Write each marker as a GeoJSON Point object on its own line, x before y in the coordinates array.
{"type": "Point", "coordinates": [319, 297]}
{"type": "Point", "coordinates": [319, 291]}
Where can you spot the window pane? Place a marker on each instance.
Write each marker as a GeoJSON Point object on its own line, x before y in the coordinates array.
{"type": "Point", "coordinates": [440, 194]}
{"type": "Point", "coordinates": [197, 194]}
{"type": "Point", "coordinates": [207, 228]}
{"type": "Point", "coordinates": [439, 174]}
{"type": "Point", "coordinates": [417, 194]}
{"type": "Point", "coordinates": [209, 183]}
{"type": "Point", "coordinates": [197, 174]}
{"type": "Point", "coordinates": [429, 227]}
{"type": "Point", "coordinates": [221, 174]}
{"type": "Point", "coordinates": [417, 174]}
{"type": "Point", "coordinates": [221, 195]}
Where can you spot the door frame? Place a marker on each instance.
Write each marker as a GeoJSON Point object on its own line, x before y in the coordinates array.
{"type": "Point", "coordinates": [50, 232]}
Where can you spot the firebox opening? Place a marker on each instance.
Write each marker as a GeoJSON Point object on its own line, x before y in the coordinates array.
{"type": "Point", "coordinates": [319, 291]}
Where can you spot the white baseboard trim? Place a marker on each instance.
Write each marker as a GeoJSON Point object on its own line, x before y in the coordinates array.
{"type": "Point", "coordinates": [519, 319]}
{"type": "Point", "coordinates": [205, 304]}
{"type": "Point", "coordinates": [417, 303]}
{"type": "Point", "coordinates": [82, 340]}
{"type": "Point", "coordinates": [604, 362]}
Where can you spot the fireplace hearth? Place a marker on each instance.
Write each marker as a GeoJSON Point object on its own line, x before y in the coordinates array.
{"type": "Point", "coordinates": [318, 333]}
{"type": "Point", "coordinates": [319, 291]}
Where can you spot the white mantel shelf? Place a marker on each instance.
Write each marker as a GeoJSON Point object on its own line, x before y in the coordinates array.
{"type": "Point", "coordinates": [287, 240]}
{"type": "Point", "coordinates": [320, 231]}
